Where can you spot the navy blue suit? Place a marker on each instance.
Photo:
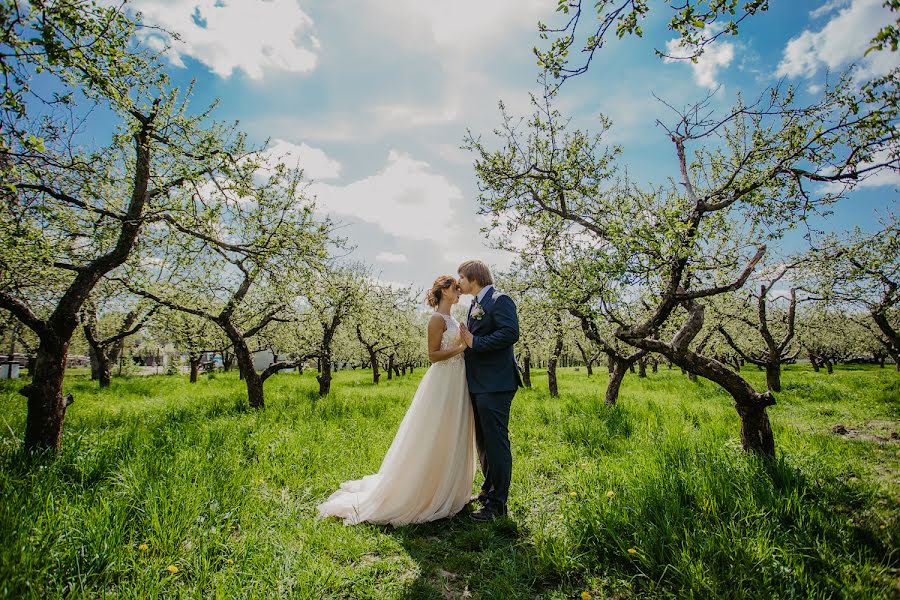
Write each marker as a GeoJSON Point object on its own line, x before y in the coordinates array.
{"type": "Point", "coordinates": [493, 377]}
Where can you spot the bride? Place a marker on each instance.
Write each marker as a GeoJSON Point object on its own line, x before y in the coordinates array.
{"type": "Point", "coordinates": [428, 471]}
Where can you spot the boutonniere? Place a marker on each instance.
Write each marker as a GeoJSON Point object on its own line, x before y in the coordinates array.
{"type": "Point", "coordinates": [477, 311]}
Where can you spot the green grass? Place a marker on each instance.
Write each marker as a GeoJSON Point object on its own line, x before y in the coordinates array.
{"type": "Point", "coordinates": [228, 495]}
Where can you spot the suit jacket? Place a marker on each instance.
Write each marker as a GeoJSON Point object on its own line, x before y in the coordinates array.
{"type": "Point", "coordinates": [491, 362]}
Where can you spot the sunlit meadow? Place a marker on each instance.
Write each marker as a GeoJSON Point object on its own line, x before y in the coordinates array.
{"type": "Point", "coordinates": [166, 489]}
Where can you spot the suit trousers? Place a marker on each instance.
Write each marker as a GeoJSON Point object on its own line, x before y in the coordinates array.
{"type": "Point", "coordinates": [492, 442]}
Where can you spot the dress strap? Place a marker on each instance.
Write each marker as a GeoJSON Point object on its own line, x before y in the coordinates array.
{"type": "Point", "coordinates": [447, 318]}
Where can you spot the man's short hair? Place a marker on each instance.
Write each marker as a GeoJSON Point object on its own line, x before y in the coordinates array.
{"type": "Point", "coordinates": [476, 270]}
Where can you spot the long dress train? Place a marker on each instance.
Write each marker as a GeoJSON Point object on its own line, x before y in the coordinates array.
{"type": "Point", "coordinates": [428, 470]}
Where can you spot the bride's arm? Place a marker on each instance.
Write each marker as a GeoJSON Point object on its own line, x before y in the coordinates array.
{"type": "Point", "coordinates": [436, 329]}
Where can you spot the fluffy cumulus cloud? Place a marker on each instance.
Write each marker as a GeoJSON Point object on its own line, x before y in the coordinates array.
{"type": "Point", "coordinates": [314, 162]}
{"type": "Point", "coordinates": [228, 35]}
{"type": "Point", "coordinates": [406, 199]}
{"type": "Point", "coordinates": [842, 40]}
{"type": "Point", "coordinates": [716, 56]}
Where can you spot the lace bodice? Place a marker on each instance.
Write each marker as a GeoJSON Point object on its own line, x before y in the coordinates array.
{"type": "Point", "coordinates": [450, 338]}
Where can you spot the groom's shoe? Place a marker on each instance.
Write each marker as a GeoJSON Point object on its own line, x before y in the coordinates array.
{"type": "Point", "coordinates": [489, 512]}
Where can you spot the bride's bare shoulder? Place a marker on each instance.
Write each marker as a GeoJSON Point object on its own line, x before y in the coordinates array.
{"type": "Point", "coordinates": [436, 319]}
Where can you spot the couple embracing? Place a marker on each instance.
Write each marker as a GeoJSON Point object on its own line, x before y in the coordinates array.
{"type": "Point", "coordinates": [462, 404]}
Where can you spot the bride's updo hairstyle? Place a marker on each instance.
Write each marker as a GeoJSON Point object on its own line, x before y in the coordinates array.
{"type": "Point", "coordinates": [433, 298]}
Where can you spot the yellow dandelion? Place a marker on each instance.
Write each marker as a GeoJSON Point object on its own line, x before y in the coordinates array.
{"type": "Point", "coordinates": [610, 494]}
{"type": "Point", "coordinates": [172, 569]}
{"type": "Point", "coordinates": [632, 551]}
{"type": "Point", "coordinates": [881, 527]}
{"type": "Point", "coordinates": [229, 562]}
{"type": "Point", "coordinates": [143, 547]}
{"type": "Point", "coordinates": [585, 596]}
{"type": "Point", "coordinates": [573, 494]}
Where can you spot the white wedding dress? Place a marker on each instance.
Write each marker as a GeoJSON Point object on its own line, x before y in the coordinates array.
{"type": "Point", "coordinates": [428, 471]}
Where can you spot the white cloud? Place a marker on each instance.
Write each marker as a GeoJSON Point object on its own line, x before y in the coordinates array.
{"type": "Point", "coordinates": [398, 116]}
{"type": "Point", "coordinates": [716, 55]}
{"type": "Point", "coordinates": [314, 162]}
{"type": "Point", "coordinates": [250, 35]}
{"type": "Point", "coordinates": [405, 199]}
{"type": "Point", "coordinates": [827, 8]}
{"type": "Point", "coordinates": [466, 26]}
{"type": "Point", "coordinates": [390, 257]}
{"type": "Point", "coordinates": [842, 40]}
{"type": "Point", "coordinates": [887, 176]}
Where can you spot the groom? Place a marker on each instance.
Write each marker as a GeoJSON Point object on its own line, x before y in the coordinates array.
{"type": "Point", "coordinates": [492, 328]}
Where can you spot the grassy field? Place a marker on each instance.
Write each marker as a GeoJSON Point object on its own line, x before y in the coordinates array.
{"type": "Point", "coordinates": [165, 489]}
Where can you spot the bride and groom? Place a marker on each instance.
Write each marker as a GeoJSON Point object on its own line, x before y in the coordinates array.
{"type": "Point", "coordinates": [462, 404]}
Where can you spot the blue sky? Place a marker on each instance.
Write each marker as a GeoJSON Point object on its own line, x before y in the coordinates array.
{"type": "Point", "coordinates": [374, 98]}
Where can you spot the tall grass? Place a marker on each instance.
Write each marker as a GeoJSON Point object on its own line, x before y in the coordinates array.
{"type": "Point", "coordinates": [651, 498]}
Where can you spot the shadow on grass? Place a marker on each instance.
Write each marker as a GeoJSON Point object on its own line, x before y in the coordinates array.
{"type": "Point", "coordinates": [459, 557]}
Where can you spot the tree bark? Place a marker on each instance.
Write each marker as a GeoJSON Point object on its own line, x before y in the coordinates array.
{"type": "Point", "coordinates": [103, 372]}
{"type": "Point", "coordinates": [195, 367]}
{"type": "Point", "coordinates": [554, 358]}
{"type": "Point", "coordinates": [390, 367]}
{"type": "Point", "coordinates": [324, 376]}
{"type": "Point", "coordinates": [244, 357]}
{"type": "Point", "coordinates": [526, 368]}
{"type": "Point", "coordinates": [46, 405]}
{"type": "Point", "coordinates": [552, 384]}
{"type": "Point", "coordinates": [619, 368]}
{"type": "Point", "coordinates": [642, 368]}
{"type": "Point", "coordinates": [95, 366]}
{"type": "Point", "coordinates": [756, 431]}
{"type": "Point", "coordinates": [376, 372]}
{"type": "Point", "coordinates": [584, 358]}
{"type": "Point", "coordinates": [773, 376]}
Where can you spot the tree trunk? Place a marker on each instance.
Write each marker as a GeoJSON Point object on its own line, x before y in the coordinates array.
{"type": "Point", "coordinates": [881, 362]}
{"type": "Point", "coordinates": [95, 367]}
{"type": "Point", "coordinates": [756, 431]}
{"type": "Point", "coordinates": [245, 367]}
{"type": "Point", "coordinates": [773, 376]}
{"type": "Point", "coordinates": [376, 373]}
{"type": "Point", "coordinates": [642, 368]}
{"type": "Point", "coordinates": [587, 360]}
{"type": "Point", "coordinates": [526, 369]}
{"type": "Point", "coordinates": [631, 367]}
{"type": "Point", "coordinates": [619, 368]}
{"type": "Point", "coordinates": [829, 367]}
{"type": "Point", "coordinates": [554, 358]}
{"type": "Point", "coordinates": [195, 367]}
{"type": "Point", "coordinates": [46, 406]}
{"type": "Point", "coordinates": [551, 378]}
{"type": "Point", "coordinates": [324, 377]}
{"type": "Point", "coordinates": [103, 371]}
{"type": "Point", "coordinates": [390, 367]}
